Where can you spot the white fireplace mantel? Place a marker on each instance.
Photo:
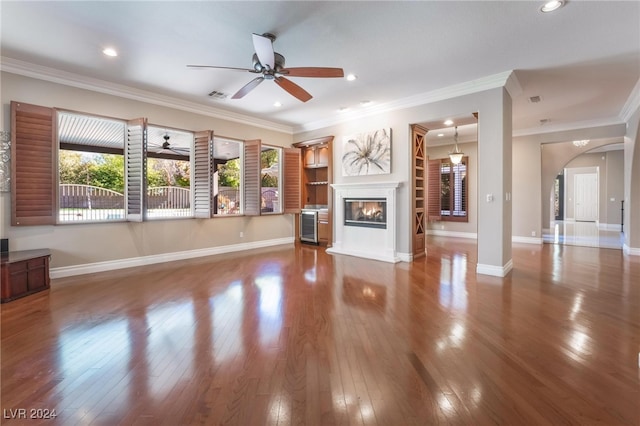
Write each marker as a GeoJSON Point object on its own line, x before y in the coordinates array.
{"type": "Point", "coordinates": [371, 243]}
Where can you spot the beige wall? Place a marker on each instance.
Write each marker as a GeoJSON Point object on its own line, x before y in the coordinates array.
{"type": "Point", "coordinates": [615, 186]}
{"type": "Point", "coordinates": [79, 244]}
{"type": "Point", "coordinates": [632, 183]}
{"type": "Point", "coordinates": [526, 189]}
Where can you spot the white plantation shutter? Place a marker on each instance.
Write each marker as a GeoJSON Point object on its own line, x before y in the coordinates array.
{"type": "Point", "coordinates": [203, 175]}
{"type": "Point", "coordinates": [292, 180]}
{"type": "Point", "coordinates": [251, 182]}
{"type": "Point", "coordinates": [136, 168]}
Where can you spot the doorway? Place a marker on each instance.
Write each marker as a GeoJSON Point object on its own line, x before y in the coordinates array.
{"type": "Point", "coordinates": [586, 197]}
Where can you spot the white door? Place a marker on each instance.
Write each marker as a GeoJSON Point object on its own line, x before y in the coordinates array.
{"type": "Point", "coordinates": [586, 197]}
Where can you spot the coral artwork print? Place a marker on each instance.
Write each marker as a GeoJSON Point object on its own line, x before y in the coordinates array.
{"type": "Point", "coordinates": [367, 153]}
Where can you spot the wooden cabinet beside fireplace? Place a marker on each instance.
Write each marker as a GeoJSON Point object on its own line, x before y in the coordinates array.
{"type": "Point", "coordinates": [317, 177]}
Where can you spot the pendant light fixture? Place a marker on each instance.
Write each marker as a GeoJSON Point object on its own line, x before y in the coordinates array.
{"type": "Point", "coordinates": [456, 156]}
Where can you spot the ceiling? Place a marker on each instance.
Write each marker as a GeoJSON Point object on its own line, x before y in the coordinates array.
{"type": "Point", "coordinates": [583, 60]}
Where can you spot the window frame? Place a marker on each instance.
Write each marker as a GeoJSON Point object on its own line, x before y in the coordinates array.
{"type": "Point", "coordinates": [191, 160]}
{"type": "Point", "coordinates": [279, 188]}
{"type": "Point", "coordinates": [214, 177]}
{"type": "Point", "coordinates": [435, 175]}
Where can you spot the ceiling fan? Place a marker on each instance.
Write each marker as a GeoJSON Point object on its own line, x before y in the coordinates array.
{"type": "Point", "coordinates": [271, 65]}
{"type": "Point", "coordinates": [166, 146]}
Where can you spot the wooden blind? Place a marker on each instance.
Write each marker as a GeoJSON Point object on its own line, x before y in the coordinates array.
{"type": "Point", "coordinates": [203, 175]}
{"type": "Point", "coordinates": [251, 178]}
{"type": "Point", "coordinates": [33, 168]}
{"type": "Point", "coordinates": [136, 169]}
{"type": "Point", "coordinates": [433, 192]}
{"type": "Point", "coordinates": [292, 180]}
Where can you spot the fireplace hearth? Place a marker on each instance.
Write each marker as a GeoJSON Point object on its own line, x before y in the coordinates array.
{"type": "Point", "coordinates": [365, 212]}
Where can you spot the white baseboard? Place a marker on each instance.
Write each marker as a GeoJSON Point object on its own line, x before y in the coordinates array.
{"type": "Point", "coordinates": [496, 271]}
{"type": "Point", "coordinates": [405, 257]}
{"type": "Point", "coordinates": [110, 265]}
{"type": "Point", "coordinates": [364, 254]}
{"type": "Point", "coordinates": [527, 240]}
{"type": "Point", "coordinates": [631, 251]}
{"type": "Point", "coordinates": [443, 233]}
{"type": "Point", "coordinates": [610, 227]}
{"type": "Point", "coordinates": [474, 236]}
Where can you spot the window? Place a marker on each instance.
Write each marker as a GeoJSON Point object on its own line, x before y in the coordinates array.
{"type": "Point", "coordinates": [448, 187]}
{"type": "Point", "coordinates": [71, 167]}
{"type": "Point", "coordinates": [227, 177]}
{"type": "Point", "coordinates": [169, 173]}
{"type": "Point", "coordinates": [90, 168]}
{"type": "Point", "coordinates": [270, 159]}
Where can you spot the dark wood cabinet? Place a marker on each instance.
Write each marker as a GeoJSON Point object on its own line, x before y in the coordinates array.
{"type": "Point", "coordinates": [23, 273]}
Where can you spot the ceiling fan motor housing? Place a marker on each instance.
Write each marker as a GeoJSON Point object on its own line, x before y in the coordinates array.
{"type": "Point", "coordinates": [278, 61]}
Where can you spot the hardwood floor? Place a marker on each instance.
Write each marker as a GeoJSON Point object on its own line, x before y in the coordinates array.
{"type": "Point", "coordinates": [291, 335]}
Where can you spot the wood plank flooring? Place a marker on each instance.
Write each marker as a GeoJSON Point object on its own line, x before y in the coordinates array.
{"type": "Point", "coordinates": [291, 335]}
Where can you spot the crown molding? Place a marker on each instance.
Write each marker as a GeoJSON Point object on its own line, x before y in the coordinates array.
{"type": "Point", "coordinates": [39, 72]}
{"type": "Point", "coordinates": [632, 104]}
{"type": "Point", "coordinates": [454, 91]}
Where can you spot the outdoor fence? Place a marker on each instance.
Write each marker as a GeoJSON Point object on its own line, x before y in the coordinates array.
{"type": "Point", "coordinates": [92, 203]}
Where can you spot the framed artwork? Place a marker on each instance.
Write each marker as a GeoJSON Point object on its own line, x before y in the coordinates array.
{"type": "Point", "coordinates": [5, 161]}
{"type": "Point", "coordinates": [367, 153]}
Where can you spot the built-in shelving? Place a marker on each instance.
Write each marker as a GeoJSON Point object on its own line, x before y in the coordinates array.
{"type": "Point", "coordinates": [418, 188]}
{"type": "Point", "coordinates": [316, 179]}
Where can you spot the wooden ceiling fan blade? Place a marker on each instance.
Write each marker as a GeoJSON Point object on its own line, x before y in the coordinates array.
{"type": "Point", "coordinates": [264, 49]}
{"type": "Point", "coordinates": [313, 72]}
{"type": "Point", "coordinates": [293, 89]}
{"type": "Point", "coordinates": [248, 87]}
{"type": "Point", "coordinates": [223, 68]}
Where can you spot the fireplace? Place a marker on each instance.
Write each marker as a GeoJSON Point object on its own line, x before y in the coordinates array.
{"type": "Point", "coordinates": [365, 220]}
{"type": "Point", "coordinates": [366, 212]}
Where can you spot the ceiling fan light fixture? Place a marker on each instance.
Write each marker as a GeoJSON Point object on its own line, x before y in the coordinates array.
{"type": "Point", "coordinates": [552, 5]}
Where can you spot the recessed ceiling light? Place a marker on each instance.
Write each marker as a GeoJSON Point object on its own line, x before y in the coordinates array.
{"type": "Point", "coordinates": [448, 122]}
{"type": "Point", "coordinates": [552, 5]}
{"type": "Point", "coordinates": [440, 135]}
{"type": "Point", "coordinates": [109, 51]}
{"type": "Point", "coordinates": [352, 77]}
{"type": "Point", "coordinates": [277, 104]}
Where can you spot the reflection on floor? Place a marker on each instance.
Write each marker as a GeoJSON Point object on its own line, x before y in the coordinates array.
{"type": "Point", "coordinates": [586, 234]}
